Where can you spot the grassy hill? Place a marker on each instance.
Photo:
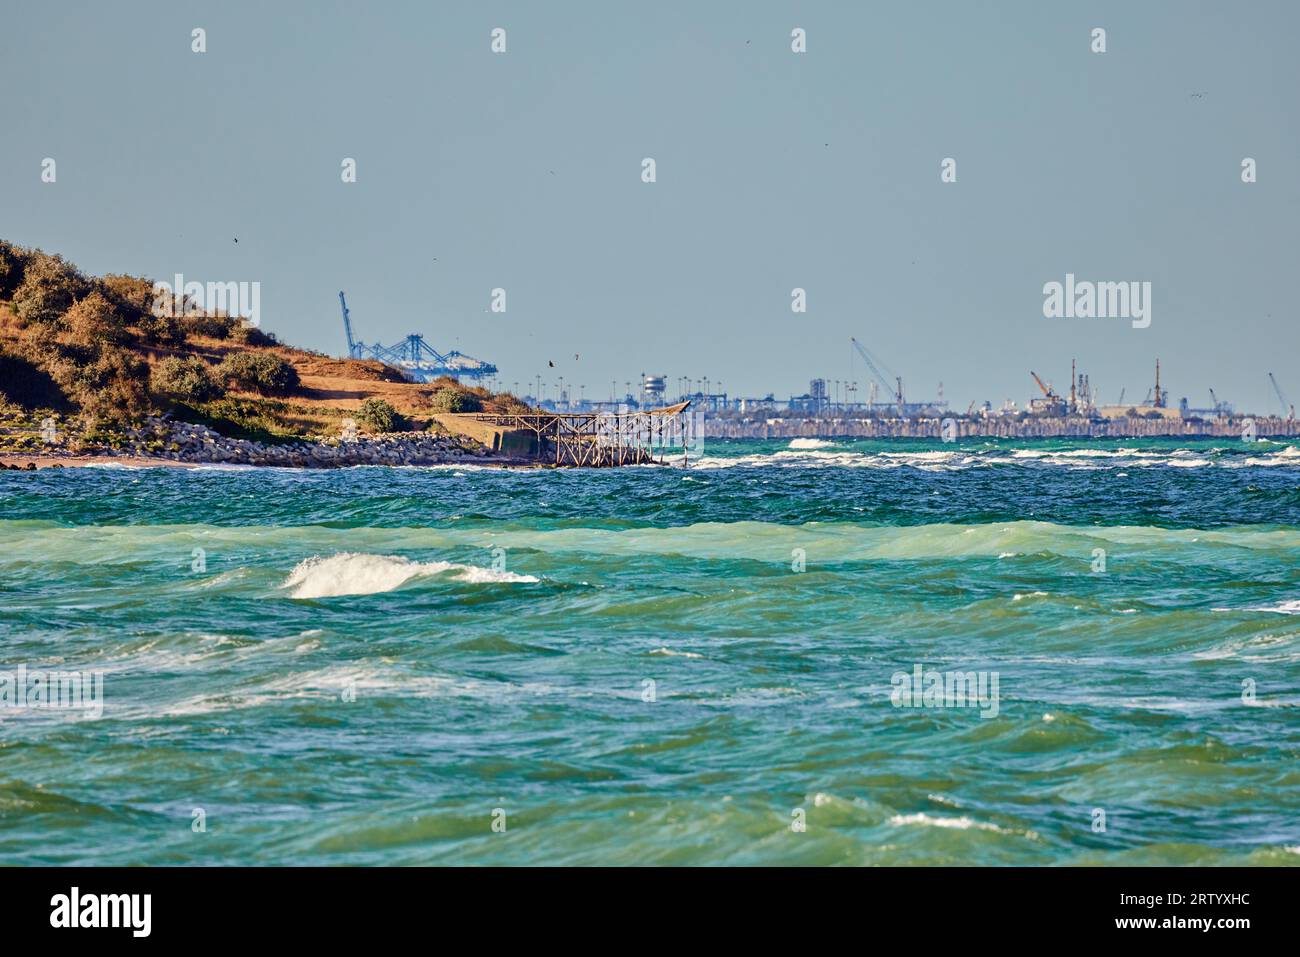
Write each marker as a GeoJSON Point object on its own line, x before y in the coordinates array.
{"type": "Point", "coordinates": [94, 352]}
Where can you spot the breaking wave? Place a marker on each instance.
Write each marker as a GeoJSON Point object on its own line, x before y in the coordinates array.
{"type": "Point", "coordinates": [352, 573]}
{"type": "Point", "coordinates": [822, 453]}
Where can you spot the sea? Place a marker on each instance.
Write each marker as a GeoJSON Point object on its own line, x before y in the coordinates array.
{"type": "Point", "coordinates": [793, 652]}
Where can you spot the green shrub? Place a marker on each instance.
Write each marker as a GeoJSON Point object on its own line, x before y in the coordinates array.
{"type": "Point", "coordinates": [12, 260]}
{"type": "Point", "coordinates": [131, 296]}
{"type": "Point", "coordinates": [94, 320]}
{"type": "Point", "coordinates": [109, 387]}
{"type": "Point", "coordinates": [189, 379]}
{"type": "Point", "coordinates": [508, 402]}
{"type": "Point", "coordinates": [162, 330]}
{"type": "Point", "coordinates": [378, 416]}
{"type": "Point", "coordinates": [259, 372]}
{"type": "Point", "coordinates": [246, 333]}
{"type": "Point", "coordinates": [214, 326]}
{"type": "Point", "coordinates": [48, 290]}
{"type": "Point", "coordinates": [257, 420]}
{"type": "Point", "coordinates": [454, 400]}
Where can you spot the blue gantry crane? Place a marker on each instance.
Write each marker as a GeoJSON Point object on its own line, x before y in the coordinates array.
{"type": "Point", "coordinates": [415, 357]}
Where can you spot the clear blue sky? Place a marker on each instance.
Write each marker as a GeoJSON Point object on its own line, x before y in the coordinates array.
{"type": "Point", "coordinates": [775, 170]}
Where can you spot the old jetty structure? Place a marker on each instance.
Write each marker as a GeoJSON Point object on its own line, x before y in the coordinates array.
{"type": "Point", "coordinates": [592, 439]}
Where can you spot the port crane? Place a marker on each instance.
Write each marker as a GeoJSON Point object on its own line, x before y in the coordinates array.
{"type": "Point", "coordinates": [1221, 408]}
{"type": "Point", "coordinates": [1287, 408]}
{"type": "Point", "coordinates": [414, 357]}
{"type": "Point", "coordinates": [897, 389]}
{"type": "Point", "coordinates": [1051, 403]}
{"type": "Point", "coordinates": [1047, 389]}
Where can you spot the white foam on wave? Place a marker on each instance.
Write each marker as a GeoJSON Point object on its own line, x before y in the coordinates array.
{"type": "Point", "coordinates": [1283, 456]}
{"type": "Point", "coordinates": [957, 823]}
{"type": "Point", "coordinates": [354, 573]}
{"type": "Point", "coordinates": [807, 456]}
{"type": "Point", "coordinates": [814, 453]}
{"type": "Point", "coordinates": [1291, 607]}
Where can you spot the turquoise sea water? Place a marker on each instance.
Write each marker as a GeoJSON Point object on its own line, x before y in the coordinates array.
{"type": "Point", "coordinates": [371, 666]}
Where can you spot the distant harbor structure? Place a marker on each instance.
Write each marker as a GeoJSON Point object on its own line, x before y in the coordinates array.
{"type": "Point", "coordinates": [1004, 427]}
{"type": "Point", "coordinates": [413, 357]}
{"type": "Point", "coordinates": [841, 407]}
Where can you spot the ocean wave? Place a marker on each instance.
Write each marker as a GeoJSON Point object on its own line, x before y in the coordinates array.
{"type": "Point", "coordinates": [354, 573]}
{"type": "Point", "coordinates": [821, 453]}
{"type": "Point", "coordinates": [369, 559]}
{"type": "Point", "coordinates": [958, 823]}
{"type": "Point", "coordinates": [1291, 607]}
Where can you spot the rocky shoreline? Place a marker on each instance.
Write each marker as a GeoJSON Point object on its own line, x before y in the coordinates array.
{"type": "Point", "coordinates": [164, 441]}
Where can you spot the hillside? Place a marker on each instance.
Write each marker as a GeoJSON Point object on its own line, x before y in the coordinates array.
{"type": "Point", "coordinates": [100, 357]}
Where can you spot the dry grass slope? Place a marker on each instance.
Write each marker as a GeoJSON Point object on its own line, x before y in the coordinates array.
{"type": "Point", "coordinates": [92, 348]}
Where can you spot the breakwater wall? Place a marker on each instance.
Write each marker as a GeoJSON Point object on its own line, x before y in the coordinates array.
{"type": "Point", "coordinates": [1027, 427]}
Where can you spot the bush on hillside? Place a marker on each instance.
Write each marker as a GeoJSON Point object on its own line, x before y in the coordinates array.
{"type": "Point", "coordinates": [508, 402]}
{"type": "Point", "coordinates": [12, 261]}
{"type": "Point", "coordinates": [132, 297]}
{"type": "Point", "coordinates": [455, 400]}
{"type": "Point", "coordinates": [189, 379]}
{"type": "Point", "coordinates": [259, 420]}
{"type": "Point", "coordinates": [246, 333]}
{"type": "Point", "coordinates": [379, 416]}
{"type": "Point", "coordinates": [48, 290]}
{"type": "Point", "coordinates": [108, 383]}
{"type": "Point", "coordinates": [161, 330]}
{"type": "Point", "coordinates": [94, 320]}
{"type": "Point", "coordinates": [214, 325]}
{"type": "Point", "coordinates": [259, 372]}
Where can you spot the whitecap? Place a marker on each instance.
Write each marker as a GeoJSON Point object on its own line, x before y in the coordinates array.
{"type": "Point", "coordinates": [958, 823]}
{"type": "Point", "coordinates": [354, 573]}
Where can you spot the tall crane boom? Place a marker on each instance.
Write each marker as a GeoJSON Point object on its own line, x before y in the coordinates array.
{"type": "Point", "coordinates": [871, 366]}
{"type": "Point", "coordinates": [1287, 408]}
{"type": "Point", "coordinates": [347, 326]}
{"type": "Point", "coordinates": [1047, 391]}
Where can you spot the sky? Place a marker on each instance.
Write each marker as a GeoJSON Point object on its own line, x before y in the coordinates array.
{"type": "Point", "coordinates": [775, 170]}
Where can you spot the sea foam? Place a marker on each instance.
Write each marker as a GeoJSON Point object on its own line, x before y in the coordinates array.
{"type": "Point", "coordinates": [353, 573]}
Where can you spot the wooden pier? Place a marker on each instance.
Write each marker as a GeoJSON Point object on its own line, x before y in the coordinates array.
{"type": "Point", "coordinates": [661, 436]}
